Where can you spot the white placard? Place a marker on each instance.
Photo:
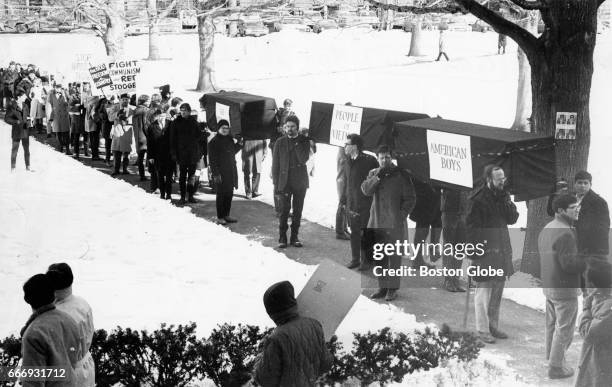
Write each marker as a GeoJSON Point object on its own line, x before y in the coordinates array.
{"type": "Point", "coordinates": [345, 120]}
{"type": "Point", "coordinates": [450, 158]}
{"type": "Point", "coordinates": [123, 73]}
{"type": "Point", "coordinates": [222, 112]}
{"type": "Point", "coordinates": [565, 127]}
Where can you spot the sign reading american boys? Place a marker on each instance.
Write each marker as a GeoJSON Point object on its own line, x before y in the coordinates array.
{"type": "Point", "coordinates": [450, 158]}
{"type": "Point", "coordinates": [345, 120]}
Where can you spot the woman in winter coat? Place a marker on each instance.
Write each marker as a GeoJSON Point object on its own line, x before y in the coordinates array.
{"type": "Point", "coordinates": [59, 117]}
{"type": "Point", "coordinates": [17, 115]}
{"type": "Point", "coordinates": [38, 98]}
{"type": "Point", "coordinates": [222, 157]}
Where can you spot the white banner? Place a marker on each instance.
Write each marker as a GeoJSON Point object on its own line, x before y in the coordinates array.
{"type": "Point", "coordinates": [345, 120]}
{"type": "Point", "coordinates": [80, 67]}
{"type": "Point", "coordinates": [450, 158]}
{"type": "Point", "coordinates": [123, 73]}
{"type": "Point", "coordinates": [565, 128]}
{"type": "Point", "coordinates": [222, 112]}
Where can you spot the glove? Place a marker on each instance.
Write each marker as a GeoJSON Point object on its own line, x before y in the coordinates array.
{"type": "Point", "coordinates": [217, 179]}
{"type": "Point", "coordinates": [383, 172]}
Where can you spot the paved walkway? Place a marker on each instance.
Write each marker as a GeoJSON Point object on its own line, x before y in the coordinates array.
{"type": "Point", "coordinates": [423, 298]}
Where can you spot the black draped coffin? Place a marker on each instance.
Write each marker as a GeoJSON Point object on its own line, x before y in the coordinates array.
{"type": "Point", "coordinates": [251, 116]}
{"type": "Point", "coordinates": [376, 124]}
{"type": "Point", "coordinates": [528, 159]}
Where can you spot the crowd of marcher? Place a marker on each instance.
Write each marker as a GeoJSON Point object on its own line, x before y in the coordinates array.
{"type": "Point", "coordinates": [376, 198]}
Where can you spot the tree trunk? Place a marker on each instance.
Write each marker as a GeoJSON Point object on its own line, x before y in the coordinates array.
{"type": "Point", "coordinates": [154, 39]}
{"type": "Point", "coordinates": [523, 94]}
{"type": "Point", "coordinates": [206, 35]}
{"type": "Point", "coordinates": [233, 25]}
{"type": "Point", "coordinates": [114, 36]}
{"type": "Point", "coordinates": [562, 69]}
{"type": "Point", "coordinates": [417, 40]}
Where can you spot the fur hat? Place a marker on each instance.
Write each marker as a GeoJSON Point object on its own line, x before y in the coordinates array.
{"type": "Point", "coordinates": [279, 297]}
{"type": "Point", "coordinates": [38, 291]}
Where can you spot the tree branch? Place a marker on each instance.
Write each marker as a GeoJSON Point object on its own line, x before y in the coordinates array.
{"type": "Point", "coordinates": [450, 8]}
{"type": "Point", "coordinates": [526, 41]}
{"type": "Point", "coordinates": [165, 12]}
{"type": "Point", "coordinates": [530, 5]}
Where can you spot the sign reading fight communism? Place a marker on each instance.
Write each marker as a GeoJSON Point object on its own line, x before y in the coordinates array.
{"type": "Point", "coordinates": [100, 76]}
{"type": "Point", "coordinates": [123, 74]}
{"type": "Point", "coordinates": [345, 120]}
{"type": "Point", "coordinates": [450, 158]}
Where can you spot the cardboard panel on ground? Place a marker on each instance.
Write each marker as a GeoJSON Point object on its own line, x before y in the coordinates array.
{"type": "Point", "coordinates": [376, 124]}
{"type": "Point", "coordinates": [251, 116]}
{"type": "Point", "coordinates": [449, 152]}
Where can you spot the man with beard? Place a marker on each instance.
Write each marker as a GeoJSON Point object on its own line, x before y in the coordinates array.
{"type": "Point", "coordinates": [290, 178]}
{"type": "Point", "coordinates": [393, 200]}
{"type": "Point", "coordinates": [357, 166]}
{"type": "Point", "coordinates": [185, 150]}
{"type": "Point", "coordinates": [491, 212]}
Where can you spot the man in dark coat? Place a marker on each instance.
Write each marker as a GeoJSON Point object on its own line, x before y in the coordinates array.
{"type": "Point", "coordinates": [185, 150]}
{"type": "Point", "coordinates": [50, 337]}
{"type": "Point", "coordinates": [341, 182]}
{"type": "Point", "coordinates": [427, 216]}
{"type": "Point", "coordinates": [253, 156]}
{"type": "Point", "coordinates": [16, 115]}
{"type": "Point", "coordinates": [59, 117]}
{"type": "Point", "coordinates": [393, 200]}
{"type": "Point", "coordinates": [295, 353]}
{"type": "Point", "coordinates": [9, 76]}
{"type": "Point", "coordinates": [140, 123]}
{"type": "Point", "coordinates": [357, 166]}
{"type": "Point", "coordinates": [290, 178]}
{"type": "Point", "coordinates": [222, 151]}
{"type": "Point", "coordinates": [491, 212]}
{"type": "Point", "coordinates": [593, 225]}
{"type": "Point", "coordinates": [158, 153]}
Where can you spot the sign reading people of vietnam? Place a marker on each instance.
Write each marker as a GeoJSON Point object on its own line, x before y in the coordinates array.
{"type": "Point", "coordinates": [565, 128]}
{"type": "Point", "coordinates": [123, 74]}
{"type": "Point", "coordinates": [450, 158]}
{"type": "Point", "coordinates": [345, 120]}
{"type": "Point", "coordinates": [222, 112]}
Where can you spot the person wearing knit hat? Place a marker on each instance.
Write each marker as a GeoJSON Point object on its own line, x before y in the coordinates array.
{"type": "Point", "coordinates": [295, 353]}
{"type": "Point", "coordinates": [50, 337]}
{"type": "Point", "coordinates": [61, 278]}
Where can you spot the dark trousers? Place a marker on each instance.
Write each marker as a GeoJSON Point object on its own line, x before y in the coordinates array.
{"type": "Point", "coordinates": [251, 183]}
{"type": "Point", "coordinates": [164, 178]}
{"type": "Point", "coordinates": [107, 148]}
{"type": "Point", "coordinates": [76, 142]}
{"type": "Point", "coordinates": [360, 245]}
{"type": "Point", "coordinates": [94, 143]}
{"type": "Point", "coordinates": [389, 261]}
{"type": "Point", "coordinates": [440, 56]}
{"type": "Point", "coordinates": [25, 143]}
{"type": "Point", "coordinates": [63, 139]}
{"type": "Point", "coordinates": [154, 177]}
{"type": "Point", "coordinates": [341, 220]}
{"type": "Point", "coordinates": [422, 231]}
{"type": "Point", "coordinates": [140, 162]}
{"type": "Point", "coordinates": [291, 199]}
{"type": "Point", "coordinates": [455, 231]}
{"type": "Point", "coordinates": [224, 204]}
{"type": "Point", "coordinates": [119, 162]}
{"type": "Point", "coordinates": [187, 179]}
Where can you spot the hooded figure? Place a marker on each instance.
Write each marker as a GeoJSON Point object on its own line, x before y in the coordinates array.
{"type": "Point", "coordinates": [61, 278]}
{"type": "Point", "coordinates": [295, 353]}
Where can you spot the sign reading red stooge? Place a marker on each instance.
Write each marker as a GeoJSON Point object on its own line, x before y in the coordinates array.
{"type": "Point", "coordinates": [345, 120]}
{"type": "Point", "coordinates": [450, 158]}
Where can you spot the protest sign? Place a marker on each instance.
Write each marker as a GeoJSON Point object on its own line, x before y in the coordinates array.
{"type": "Point", "coordinates": [223, 112]}
{"type": "Point", "coordinates": [123, 75]}
{"type": "Point", "coordinates": [345, 120]}
{"type": "Point", "coordinates": [80, 67]}
{"type": "Point", "coordinates": [565, 128]}
{"type": "Point", "coordinates": [329, 295]}
{"type": "Point", "coordinates": [100, 76]}
{"type": "Point", "coordinates": [450, 158]}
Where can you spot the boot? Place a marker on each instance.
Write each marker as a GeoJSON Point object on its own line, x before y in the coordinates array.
{"type": "Point", "coordinates": [353, 264]}
{"type": "Point", "coordinates": [125, 163]}
{"type": "Point", "coordinates": [294, 241]}
{"type": "Point", "coordinates": [379, 294]}
{"type": "Point", "coordinates": [560, 372]}
{"type": "Point", "coordinates": [282, 242]}
{"type": "Point", "coordinates": [391, 295]}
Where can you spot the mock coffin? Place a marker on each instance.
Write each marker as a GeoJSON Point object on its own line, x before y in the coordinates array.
{"type": "Point", "coordinates": [453, 154]}
{"type": "Point", "coordinates": [330, 124]}
{"type": "Point", "coordinates": [251, 116]}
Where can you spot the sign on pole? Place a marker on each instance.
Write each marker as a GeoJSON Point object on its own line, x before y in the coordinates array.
{"type": "Point", "coordinates": [329, 295]}
{"type": "Point", "coordinates": [450, 158]}
{"type": "Point", "coordinates": [565, 128]}
{"type": "Point", "coordinates": [100, 76]}
{"type": "Point", "coordinates": [222, 112]}
{"type": "Point", "coordinates": [345, 120]}
{"type": "Point", "coordinates": [123, 75]}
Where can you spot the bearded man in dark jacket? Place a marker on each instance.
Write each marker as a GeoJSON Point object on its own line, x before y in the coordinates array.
{"type": "Point", "coordinates": [491, 212]}
{"type": "Point", "coordinates": [185, 150]}
{"type": "Point", "coordinates": [295, 353]}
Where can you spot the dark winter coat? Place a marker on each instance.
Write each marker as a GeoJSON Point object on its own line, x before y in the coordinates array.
{"type": "Point", "coordinates": [139, 123]}
{"type": "Point", "coordinates": [105, 122]}
{"type": "Point", "coordinates": [222, 157]}
{"type": "Point", "coordinates": [357, 171]}
{"type": "Point", "coordinates": [77, 115]}
{"type": "Point", "coordinates": [18, 120]}
{"type": "Point", "coordinates": [51, 338]}
{"type": "Point", "coordinates": [185, 140]}
{"type": "Point", "coordinates": [393, 199]}
{"type": "Point", "coordinates": [593, 225]}
{"type": "Point", "coordinates": [280, 162]}
{"type": "Point", "coordinates": [294, 355]}
{"type": "Point", "coordinates": [9, 78]}
{"type": "Point", "coordinates": [25, 84]}
{"type": "Point", "coordinates": [595, 327]}
{"type": "Point", "coordinates": [59, 112]}
{"type": "Point", "coordinates": [491, 213]}
{"type": "Point", "coordinates": [158, 142]}
{"type": "Point", "coordinates": [281, 118]}
{"type": "Point", "coordinates": [427, 207]}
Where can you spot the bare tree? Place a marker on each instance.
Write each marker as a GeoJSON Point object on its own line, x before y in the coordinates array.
{"type": "Point", "coordinates": [154, 17]}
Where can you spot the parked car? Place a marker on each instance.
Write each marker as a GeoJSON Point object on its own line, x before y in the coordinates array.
{"type": "Point", "coordinates": [136, 29]}
{"type": "Point", "coordinates": [325, 24]}
{"type": "Point", "coordinates": [291, 23]}
{"type": "Point", "coordinates": [189, 18]}
{"type": "Point", "coordinates": [252, 27]}
{"type": "Point", "coordinates": [480, 26]}
{"type": "Point", "coordinates": [26, 24]}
